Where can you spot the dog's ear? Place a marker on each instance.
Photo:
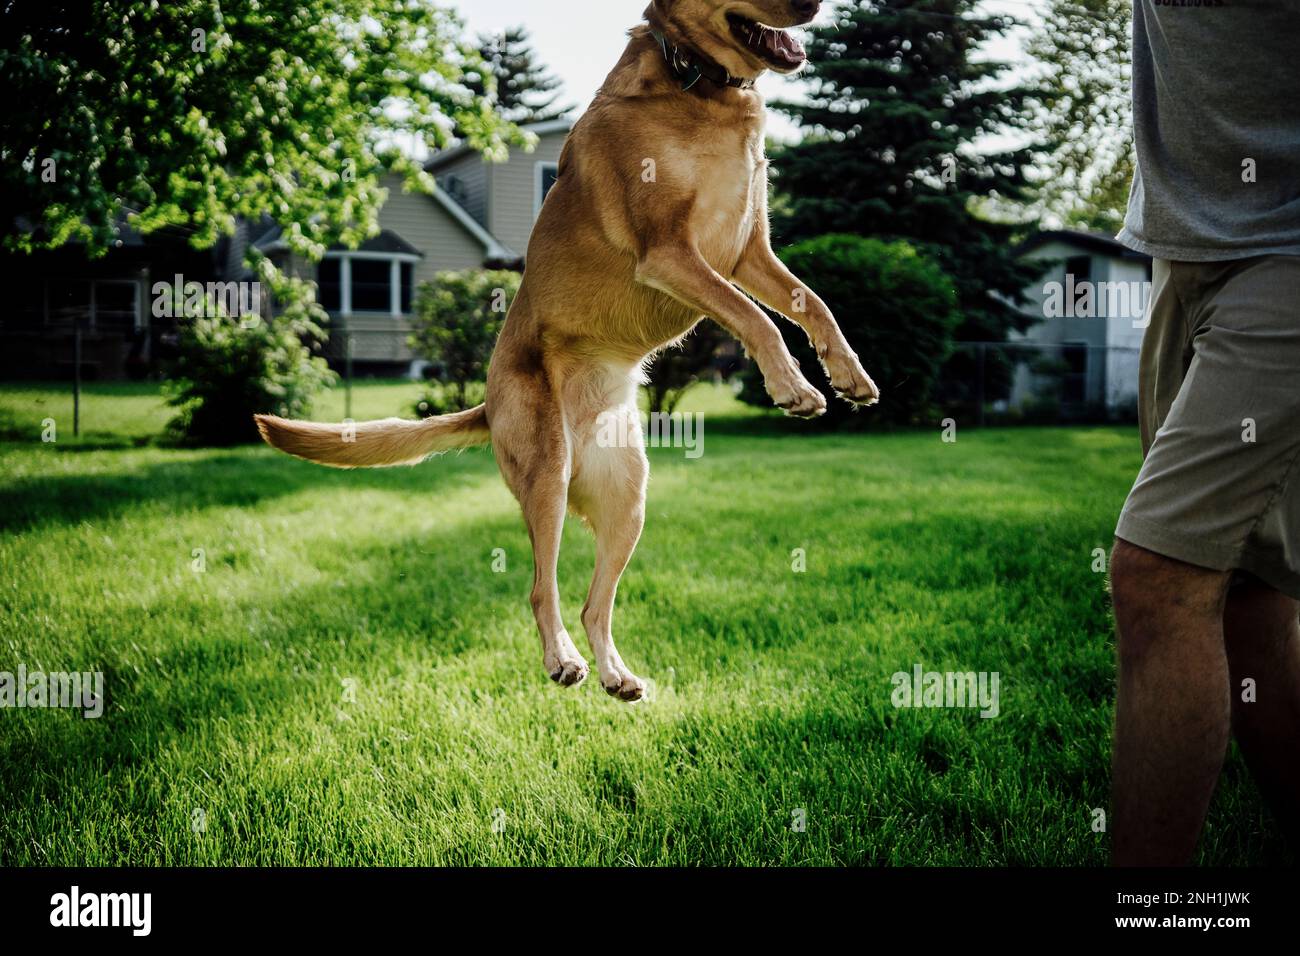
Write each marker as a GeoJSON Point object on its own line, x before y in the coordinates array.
{"type": "Point", "coordinates": [659, 12]}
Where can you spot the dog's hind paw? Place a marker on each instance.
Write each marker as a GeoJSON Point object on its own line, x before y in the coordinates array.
{"type": "Point", "coordinates": [624, 685]}
{"type": "Point", "coordinates": [568, 673]}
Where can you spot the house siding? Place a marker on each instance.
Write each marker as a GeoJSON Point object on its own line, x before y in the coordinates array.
{"type": "Point", "coordinates": [1112, 340]}
{"type": "Point", "coordinates": [422, 222]}
{"type": "Point", "coordinates": [446, 246]}
{"type": "Point", "coordinates": [1090, 331]}
{"type": "Point", "coordinates": [1124, 334]}
{"type": "Point", "coordinates": [472, 173]}
{"type": "Point", "coordinates": [511, 209]}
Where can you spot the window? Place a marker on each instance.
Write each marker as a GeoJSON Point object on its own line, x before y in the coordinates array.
{"type": "Point", "coordinates": [116, 305]}
{"type": "Point", "coordinates": [111, 305]}
{"type": "Point", "coordinates": [69, 301]}
{"type": "Point", "coordinates": [328, 278]}
{"type": "Point", "coordinates": [28, 310]}
{"type": "Point", "coordinates": [547, 175]}
{"type": "Point", "coordinates": [1080, 267]}
{"type": "Point", "coordinates": [454, 186]}
{"type": "Point", "coordinates": [1074, 389]}
{"type": "Point", "coordinates": [370, 282]}
{"type": "Point", "coordinates": [371, 288]}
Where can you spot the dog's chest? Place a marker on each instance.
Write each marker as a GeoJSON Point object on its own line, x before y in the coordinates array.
{"type": "Point", "coordinates": [728, 199]}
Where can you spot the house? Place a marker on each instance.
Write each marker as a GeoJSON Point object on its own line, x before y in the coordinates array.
{"type": "Point", "coordinates": [1080, 350]}
{"type": "Point", "coordinates": [65, 305]}
{"type": "Point", "coordinates": [480, 216]}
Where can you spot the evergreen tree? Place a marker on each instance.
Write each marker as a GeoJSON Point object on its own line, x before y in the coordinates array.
{"type": "Point", "coordinates": [896, 121]}
{"type": "Point", "coordinates": [526, 91]}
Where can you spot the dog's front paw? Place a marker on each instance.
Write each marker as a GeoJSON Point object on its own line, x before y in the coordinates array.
{"type": "Point", "coordinates": [566, 671]}
{"type": "Point", "coordinates": [798, 398]}
{"type": "Point", "coordinates": [853, 384]}
{"type": "Point", "coordinates": [623, 684]}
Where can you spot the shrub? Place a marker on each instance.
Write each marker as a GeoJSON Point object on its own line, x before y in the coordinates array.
{"type": "Point", "coordinates": [228, 368]}
{"type": "Point", "coordinates": [440, 399]}
{"type": "Point", "coordinates": [457, 319]}
{"type": "Point", "coordinates": [675, 370]}
{"type": "Point", "coordinates": [898, 311]}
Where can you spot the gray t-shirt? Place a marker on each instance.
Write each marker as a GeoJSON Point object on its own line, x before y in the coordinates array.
{"type": "Point", "coordinates": [1216, 121]}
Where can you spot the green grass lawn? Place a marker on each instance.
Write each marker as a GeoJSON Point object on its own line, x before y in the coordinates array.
{"type": "Point", "coordinates": [118, 414]}
{"type": "Point", "coordinates": [349, 682]}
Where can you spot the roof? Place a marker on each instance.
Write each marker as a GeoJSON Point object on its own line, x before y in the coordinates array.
{"type": "Point", "coordinates": [271, 239]}
{"type": "Point", "coordinates": [268, 236]}
{"type": "Point", "coordinates": [494, 248]}
{"type": "Point", "coordinates": [388, 241]}
{"type": "Point", "coordinates": [1098, 242]}
{"type": "Point", "coordinates": [443, 157]}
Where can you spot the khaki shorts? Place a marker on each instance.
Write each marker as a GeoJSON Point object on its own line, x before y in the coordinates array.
{"type": "Point", "coordinates": [1219, 403]}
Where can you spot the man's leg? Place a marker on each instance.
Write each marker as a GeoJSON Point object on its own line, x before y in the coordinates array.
{"type": "Point", "coordinates": [1172, 714]}
{"type": "Point", "coordinates": [1262, 632]}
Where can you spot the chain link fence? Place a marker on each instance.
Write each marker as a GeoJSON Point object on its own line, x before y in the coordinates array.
{"type": "Point", "coordinates": [984, 383]}
{"type": "Point", "coordinates": [78, 345]}
{"type": "Point", "coordinates": [1040, 383]}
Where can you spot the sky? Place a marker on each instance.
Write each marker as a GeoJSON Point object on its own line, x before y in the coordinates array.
{"type": "Point", "coordinates": [581, 40]}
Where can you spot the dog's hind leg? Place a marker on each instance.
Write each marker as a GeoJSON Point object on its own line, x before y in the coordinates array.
{"type": "Point", "coordinates": [609, 492]}
{"type": "Point", "coordinates": [533, 452]}
{"type": "Point", "coordinates": [544, 509]}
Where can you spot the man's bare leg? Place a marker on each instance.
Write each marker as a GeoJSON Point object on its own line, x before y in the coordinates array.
{"type": "Point", "coordinates": [1172, 714]}
{"type": "Point", "coordinates": [1262, 633]}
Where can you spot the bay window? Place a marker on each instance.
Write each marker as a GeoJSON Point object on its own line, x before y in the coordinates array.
{"type": "Point", "coordinates": [374, 283]}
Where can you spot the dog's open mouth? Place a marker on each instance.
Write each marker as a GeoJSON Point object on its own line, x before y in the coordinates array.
{"type": "Point", "coordinates": [776, 47]}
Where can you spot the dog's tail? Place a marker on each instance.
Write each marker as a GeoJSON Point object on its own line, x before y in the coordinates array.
{"type": "Point", "coordinates": [381, 444]}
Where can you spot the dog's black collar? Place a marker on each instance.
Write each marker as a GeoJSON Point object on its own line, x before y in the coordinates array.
{"type": "Point", "coordinates": [690, 67]}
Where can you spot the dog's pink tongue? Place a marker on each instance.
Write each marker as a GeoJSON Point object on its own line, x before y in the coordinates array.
{"type": "Point", "coordinates": [784, 45]}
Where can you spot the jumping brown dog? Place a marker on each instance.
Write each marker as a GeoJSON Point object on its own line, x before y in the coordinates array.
{"type": "Point", "coordinates": [658, 218]}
